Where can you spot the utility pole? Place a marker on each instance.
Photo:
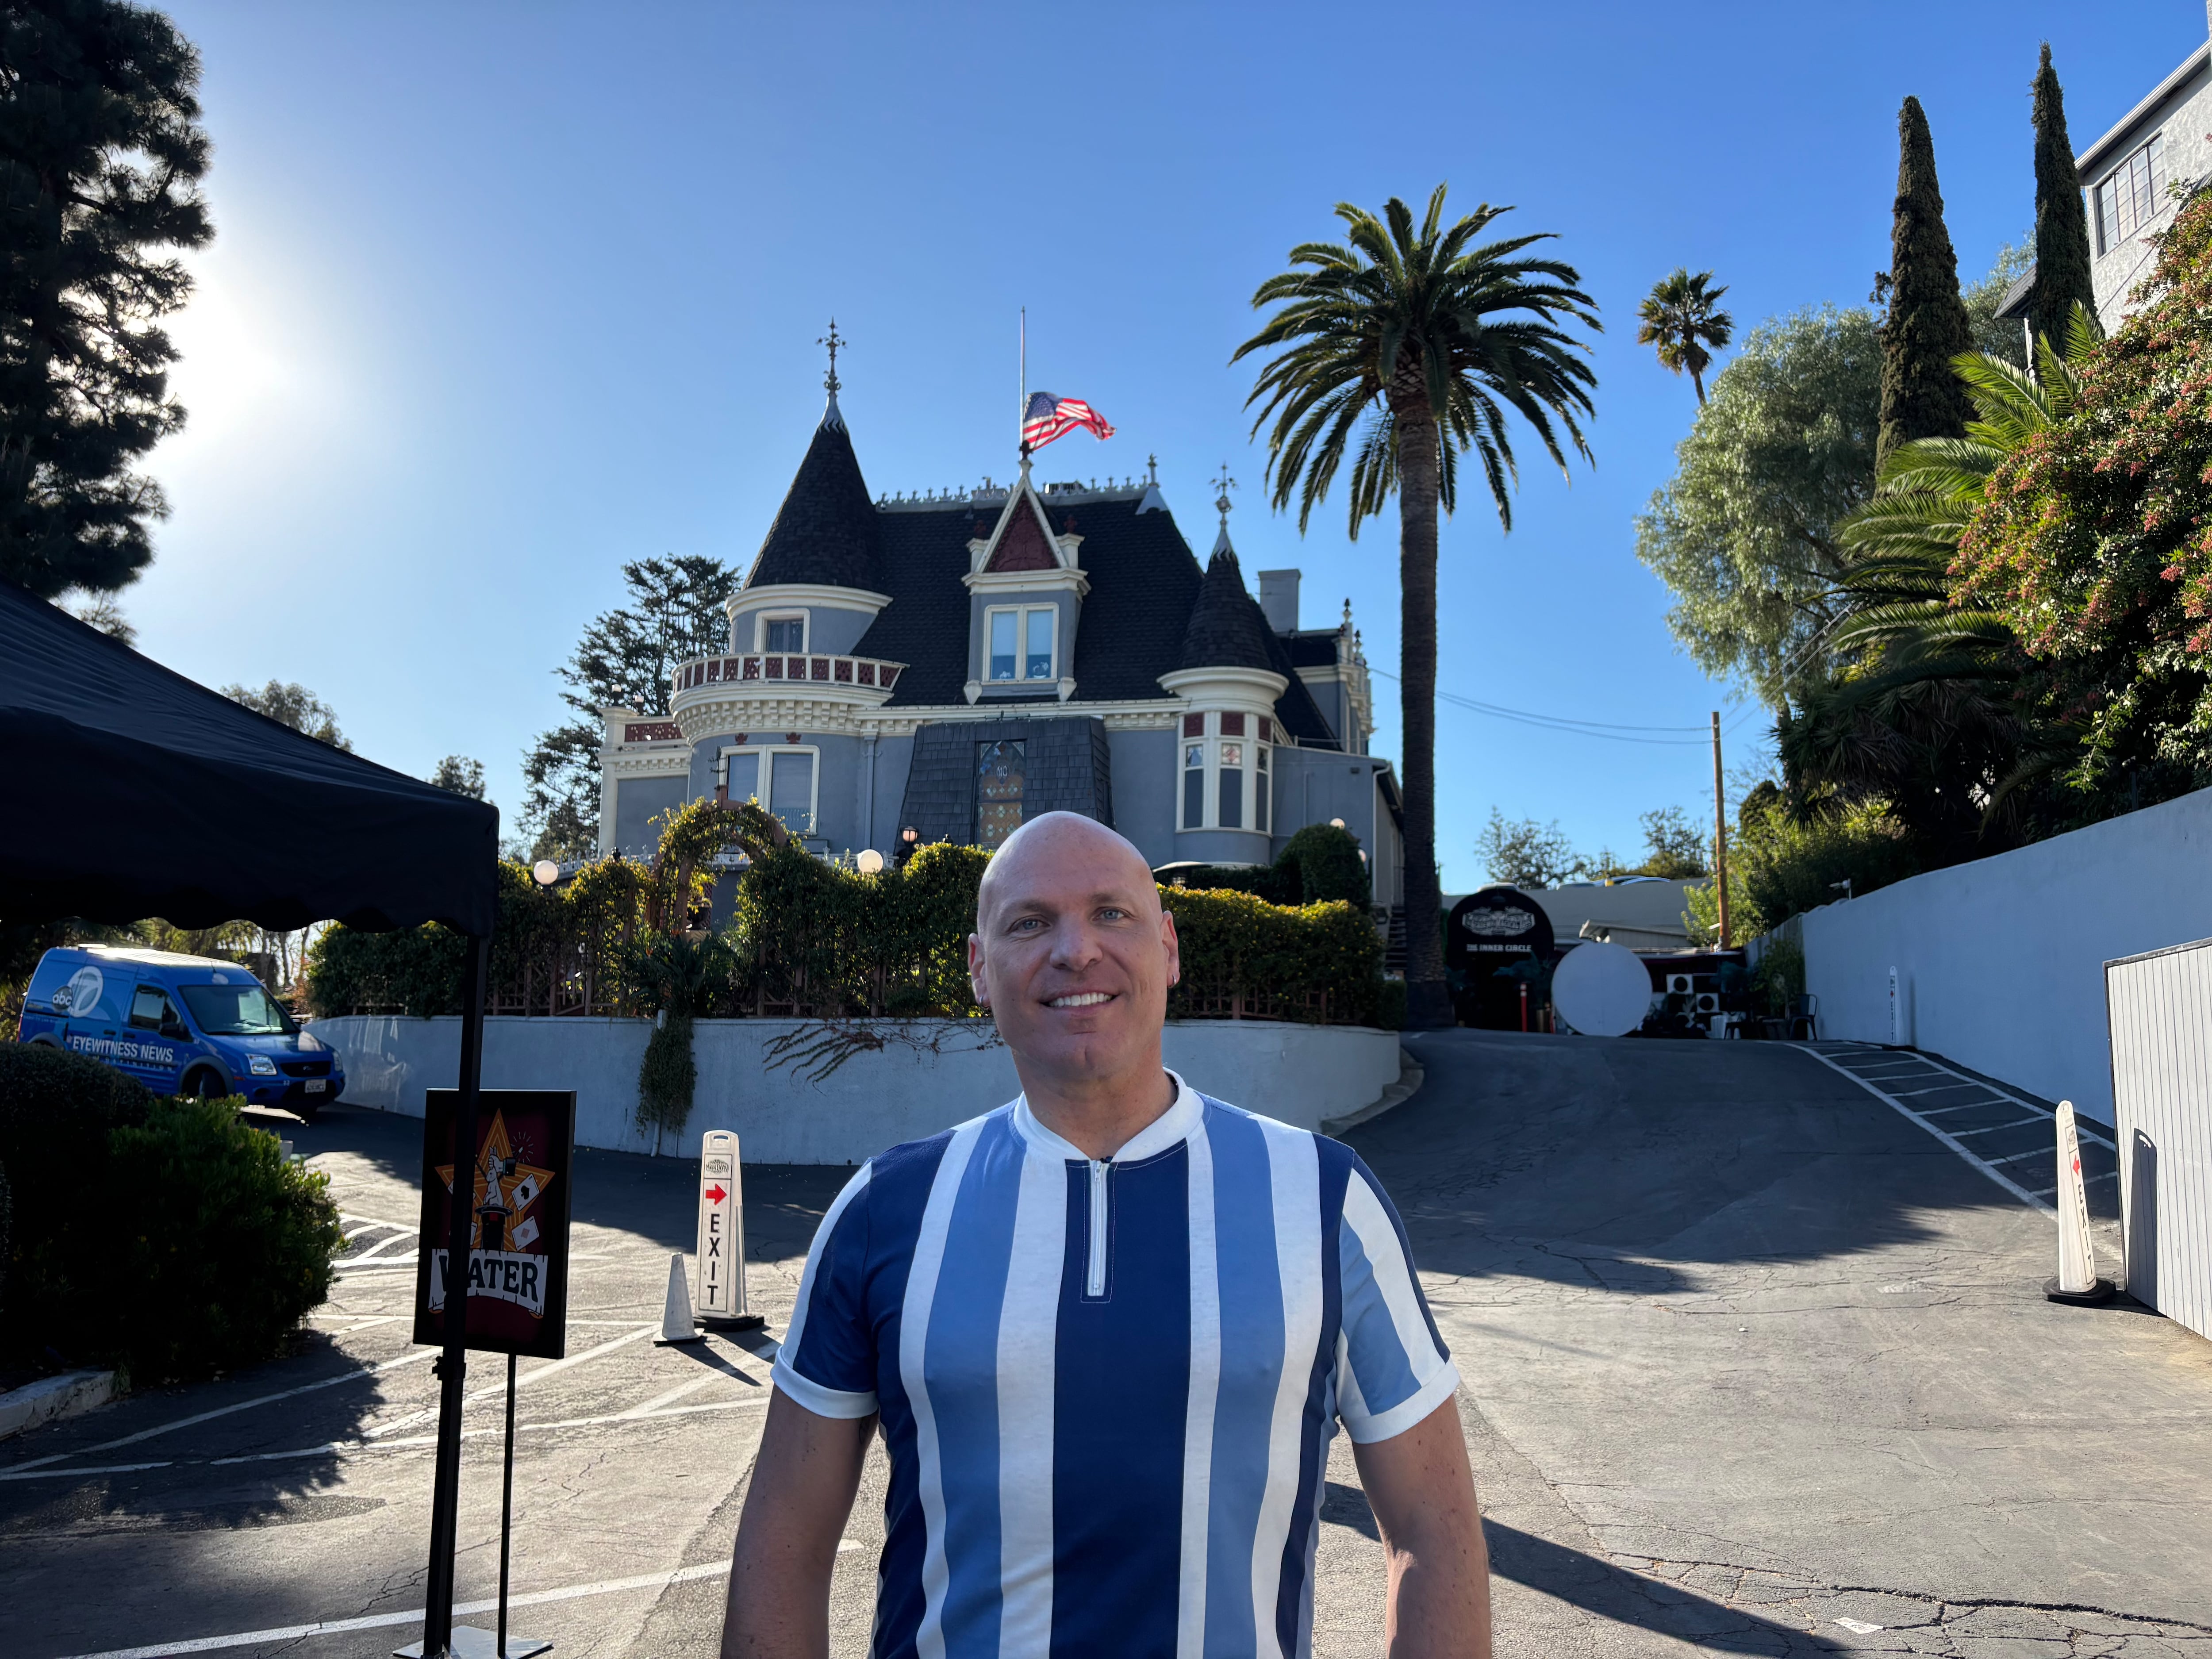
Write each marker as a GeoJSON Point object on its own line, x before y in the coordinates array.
{"type": "Point", "coordinates": [1720, 824]}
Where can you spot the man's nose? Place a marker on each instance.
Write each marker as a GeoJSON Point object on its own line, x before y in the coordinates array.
{"type": "Point", "coordinates": [1074, 945]}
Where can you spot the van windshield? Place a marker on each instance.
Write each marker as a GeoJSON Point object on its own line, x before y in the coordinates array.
{"type": "Point", "coordinates": [236, 1010]}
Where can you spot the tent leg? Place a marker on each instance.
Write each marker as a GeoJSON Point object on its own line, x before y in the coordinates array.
{"type": "Point", "coordinates": [445, 1492]}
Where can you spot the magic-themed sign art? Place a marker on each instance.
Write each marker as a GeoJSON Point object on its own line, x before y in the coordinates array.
{"type": "Point", "coordinates": [518, 1268]}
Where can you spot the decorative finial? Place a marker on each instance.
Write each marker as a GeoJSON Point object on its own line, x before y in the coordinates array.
{"type": "Point", "coordinates": [1223, 485]}
{"type": "Point", "coordinates": [833, 340]}
{"type": "Point", "coordinates": [1347, 613]}
{"type": "Point", "coordinates": [1152, 466]}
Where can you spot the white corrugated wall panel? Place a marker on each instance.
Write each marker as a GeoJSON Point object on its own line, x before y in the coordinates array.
{"type": "Point", "coordinates": [2161, 1010]}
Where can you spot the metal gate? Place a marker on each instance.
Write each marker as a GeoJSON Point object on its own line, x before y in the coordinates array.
{"type": "Point", "coordinates": [2159, 1009]}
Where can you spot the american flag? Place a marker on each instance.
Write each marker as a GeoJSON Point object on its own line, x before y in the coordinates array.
{"type": "Point", "coordinates": [1048, 417]}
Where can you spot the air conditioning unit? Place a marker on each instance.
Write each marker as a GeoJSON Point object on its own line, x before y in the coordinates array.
{"type": "Point", "coordinates": [1708, 1003]}
{"type": "Point", "coordinates": [1678, 984]}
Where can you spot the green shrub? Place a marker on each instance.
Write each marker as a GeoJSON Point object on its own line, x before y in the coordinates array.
{"type": "Point", "coordinates": [226, 1245]}
{"type": "Point", "coordinates": [57, 1112]}
{"type": "Point", "coordinates": [1779, 979]}
{"type": "Point", "coordinates": [1328, 865]}
{"type": "Point", "coordinates": [1780, 867]}
{"type": "Point", "coordinates": [1277, 884]}
{"type": "Point", "coordinates": [222, 1246]}
{"type": "Point", "coordinates": [1245, 958]}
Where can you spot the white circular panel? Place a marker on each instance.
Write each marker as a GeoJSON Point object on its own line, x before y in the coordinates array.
{"type": "Point", "coordinates": [869, 861]}
{"type": "Point", "coordinates": [1601, 990]}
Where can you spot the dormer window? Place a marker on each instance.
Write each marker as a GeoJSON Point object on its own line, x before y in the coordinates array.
{"type": "Point", "coordinates": [786, 633]}
{"type": "Point", "coordinates": [1023, 641]}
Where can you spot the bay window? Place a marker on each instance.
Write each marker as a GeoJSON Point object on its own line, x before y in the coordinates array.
{"type": "Point", "coordinates": [781, 779]}
{"type": "Point", "coordinates": [1227, 778]}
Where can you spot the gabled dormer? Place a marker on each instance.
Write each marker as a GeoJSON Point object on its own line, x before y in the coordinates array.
{"type": "Point", "coordinates": [1026, 601]}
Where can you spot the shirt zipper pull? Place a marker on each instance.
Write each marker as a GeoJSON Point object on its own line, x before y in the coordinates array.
{"type": "Point", "coordinates": [1096, 1284]}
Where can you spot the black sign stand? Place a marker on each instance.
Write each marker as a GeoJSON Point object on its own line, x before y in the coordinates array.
{"type": "Point", "coordinates": [554, 1113]}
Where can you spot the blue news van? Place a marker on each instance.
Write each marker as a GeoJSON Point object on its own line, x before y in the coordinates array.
{"type": "Point", "coordinates": [181, 1026]}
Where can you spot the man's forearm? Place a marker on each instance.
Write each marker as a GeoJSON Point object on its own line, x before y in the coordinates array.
{"type": "Point", "coordinates": [1439, 1603]}
{"type": "Point", "coordinates": [804, 1479]}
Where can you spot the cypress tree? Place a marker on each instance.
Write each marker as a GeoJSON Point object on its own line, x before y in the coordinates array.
{"type": "Point", "coordinates": [2062, 226]}
{"type": "Point", "coordinates": [1927, 325]}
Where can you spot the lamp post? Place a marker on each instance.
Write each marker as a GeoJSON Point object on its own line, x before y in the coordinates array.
{"type": "Point", "coordinates": [909, 843]}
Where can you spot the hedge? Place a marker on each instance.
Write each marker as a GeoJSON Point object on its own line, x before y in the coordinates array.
{"type": "Point", "coordinates": [809, 939]}
{"type": "Point", "coordinates": [166, 1237]}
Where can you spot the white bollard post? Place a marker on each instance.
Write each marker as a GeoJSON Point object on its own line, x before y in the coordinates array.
{"type": "Point", "coordinates": [722, 1233]}
{"type": "Point", "coordinates": [2077, 1281]}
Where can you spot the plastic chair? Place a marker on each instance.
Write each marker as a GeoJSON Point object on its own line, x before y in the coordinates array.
{"type": "Point", "coordinates": [1805, 1019]}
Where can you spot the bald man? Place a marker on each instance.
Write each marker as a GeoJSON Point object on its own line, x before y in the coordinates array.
{"type": "Point", "coordinates": [1107, 1332]}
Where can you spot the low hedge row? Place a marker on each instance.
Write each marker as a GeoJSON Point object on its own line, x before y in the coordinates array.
{"type": "Point", "coordinates": [812, 938]}
{"type": "Point", "coordinates": [166, 1237]}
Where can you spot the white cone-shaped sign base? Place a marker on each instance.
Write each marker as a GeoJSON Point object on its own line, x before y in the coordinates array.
{"type": "Point", "coordinates": [2078, 1279]}
{"type": "Point", "coordinates": [675, 1324]}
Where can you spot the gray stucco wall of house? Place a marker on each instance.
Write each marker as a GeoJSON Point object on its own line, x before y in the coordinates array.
{"type": "Point", "coordinates": [830, 631]}
{"type": "Point", "coordinates": [2182, 123]}
{"type": "Point", "coordinates": [638, 801]}
{"type": "Point", "coordinates": [894, 759]}
{"type": "Point", "coordinates": [1143, 790]}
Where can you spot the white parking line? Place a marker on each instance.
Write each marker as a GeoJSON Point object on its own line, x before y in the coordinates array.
{"type": "Point", "coordinates": [1999, 1129]}
{"type": "Point", "coordinates": [1945, 1136]}
{"type": "Point", "coordinates": [524, 1381]}
{"type": "Point", "coordinates": [2080, 1128]}
{"type": "Point", "coordinates": [414, 1615]}
{"type": "Point", "coordinates": [18, 1472]}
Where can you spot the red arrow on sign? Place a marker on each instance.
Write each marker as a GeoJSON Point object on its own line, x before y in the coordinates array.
{"type": "Point", "coordinates": [716, 1193]}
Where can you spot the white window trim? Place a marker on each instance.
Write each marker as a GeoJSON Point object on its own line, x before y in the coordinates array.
{"type": "Point", "coordinates": [1020, 613]}
{"type": "Point", "coordinates": [768, 751]}
{"type": "Point", "coordinates": [762, 619]}
{"type": "Point", "coordinates": [1211, 742]}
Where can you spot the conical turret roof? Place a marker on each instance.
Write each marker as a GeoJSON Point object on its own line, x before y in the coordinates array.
{"type": "Point", "coordinates": [1227, 628]}
{"type": "Point", "coordinates": [826, 531]}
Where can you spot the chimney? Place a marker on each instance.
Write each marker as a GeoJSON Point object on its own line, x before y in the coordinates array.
{"type": "Point", "coordinates": [1278, 592]}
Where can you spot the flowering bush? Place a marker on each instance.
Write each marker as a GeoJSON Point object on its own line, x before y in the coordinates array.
{"type": "Point", "coordinates": [2095, 540]}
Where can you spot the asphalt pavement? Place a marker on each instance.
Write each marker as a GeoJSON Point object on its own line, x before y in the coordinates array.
{"type": "Point", "coordinates": [1754, 1363]}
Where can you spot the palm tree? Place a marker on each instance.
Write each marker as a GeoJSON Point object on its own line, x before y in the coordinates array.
{"type": "Point", "coordinates": [1932, 717]}
{"type": "Point", "coordinates": [1680, 318]}
{"type": "Point", "coordinates": [1407, 348]}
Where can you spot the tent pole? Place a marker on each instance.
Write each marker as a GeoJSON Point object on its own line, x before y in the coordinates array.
{"type": "Point", "coordinates": [446, 1491]}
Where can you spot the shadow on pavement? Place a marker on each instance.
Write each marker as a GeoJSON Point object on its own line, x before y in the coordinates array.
{"type": "Point", "coordinates": [1600, 1586]}
{"type": "Point", "coordinates": [1608, 1161]}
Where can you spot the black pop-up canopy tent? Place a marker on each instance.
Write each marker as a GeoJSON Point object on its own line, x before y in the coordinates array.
{"type": "Point", "coordinates": [133, 791]}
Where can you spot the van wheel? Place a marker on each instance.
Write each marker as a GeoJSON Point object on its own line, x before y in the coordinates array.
{"type": "Point", "coordinates": [204, 1085]}
{"type": "Point", "coordinates": [304, 1110]}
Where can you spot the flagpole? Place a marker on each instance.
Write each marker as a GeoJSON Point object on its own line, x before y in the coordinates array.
{"type": "Point", "coordinates": [1021, 408]}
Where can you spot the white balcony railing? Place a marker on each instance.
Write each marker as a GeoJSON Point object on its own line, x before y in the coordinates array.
{"type": "Point", "coordinates": [776, 672]}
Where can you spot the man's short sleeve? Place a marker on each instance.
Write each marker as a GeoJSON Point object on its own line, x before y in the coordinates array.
{"type": "Point", "coordinates": [828, 1359]}
{"type": "Point", "coordinates": [1393, 1369]}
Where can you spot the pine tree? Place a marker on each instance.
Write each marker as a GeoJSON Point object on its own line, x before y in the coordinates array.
{"type": "Point", "coordinates": [625, 659]}
{"type": "Point", "coordinates": [101, 156]}
{"type": "Point", "coordinates": [2062, 227]}
{"type": "Point", "coordinates": [1927, 325]}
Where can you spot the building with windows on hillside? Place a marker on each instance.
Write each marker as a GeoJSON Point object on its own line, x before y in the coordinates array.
{"type": "Point", "coordinates": [2134, 179]}
{"type": "Point", "coordinates": [959, 663]}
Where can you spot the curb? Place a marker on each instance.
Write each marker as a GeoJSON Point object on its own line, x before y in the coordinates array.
{"type": "Point", "coordinates": [51, 1398]}
{"type": "Point", "coordinates": [1411, 1076]}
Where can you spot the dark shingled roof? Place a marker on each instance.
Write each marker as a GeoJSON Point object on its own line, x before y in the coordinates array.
{"type": "Point", "coordinates": [1143, 582]}
{"type": "Point", "coordinates": [828, 529]}
{"type": "Point", "coordinates": [1313, 648]}
{"type": "Point", "coordinates": [1300, 714]}
{"type": "Point", "coordinates": [1227, 628]}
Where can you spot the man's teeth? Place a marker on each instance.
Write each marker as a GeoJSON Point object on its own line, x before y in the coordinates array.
{"type": "Point", "coordinates": [1086, 999]}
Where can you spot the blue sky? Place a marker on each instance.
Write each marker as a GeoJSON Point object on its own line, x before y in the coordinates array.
{"type": "Point", "coordinates": [503, 295]}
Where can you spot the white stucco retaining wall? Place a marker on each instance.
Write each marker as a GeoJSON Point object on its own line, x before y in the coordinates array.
{"type": "Point", "coordinates": [2000, 962]}
{"type": "Point", "coordinates": [929, 1076]}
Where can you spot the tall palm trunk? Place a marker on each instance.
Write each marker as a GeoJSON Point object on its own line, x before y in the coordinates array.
{"type": "Point", "coordinates": [1428, 999]}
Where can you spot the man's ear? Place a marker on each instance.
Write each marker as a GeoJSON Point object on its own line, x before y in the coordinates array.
{"type": "Point", "coordinates": [1172, 945]}
{"type": "Point", "coordinates": [979, 979]}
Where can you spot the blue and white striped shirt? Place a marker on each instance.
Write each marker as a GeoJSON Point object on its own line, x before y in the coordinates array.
{"type": "Point", "coordinates": [1107, 1387]}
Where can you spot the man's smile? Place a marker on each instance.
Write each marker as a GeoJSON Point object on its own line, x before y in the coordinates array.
{"type": "Point", "coordinates": [1081, 999]}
